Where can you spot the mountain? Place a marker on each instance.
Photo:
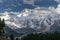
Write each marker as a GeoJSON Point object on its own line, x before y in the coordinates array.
{"type": "Point", "coordinates": [55, 27]}
{"type": "Point", "coordinates": [18, 32]}
{"type": "Point", "coordinates": [25, 30]}
{"type": "Point", "coordinates": [35, 20]}
{"type": "Point", "coordinates": [9, 31]}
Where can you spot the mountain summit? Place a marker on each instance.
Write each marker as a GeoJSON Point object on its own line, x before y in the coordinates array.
{"type": "Point", "coordinates": [38, 19]}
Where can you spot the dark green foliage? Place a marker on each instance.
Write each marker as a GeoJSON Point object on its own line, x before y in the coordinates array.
{"type": "Point", "coordinates": [41, 36]}
{"type": "Point", "coordinates": [12, 37]}
{"type": "Point", "coordinates": [2, 25]}
{"type": "Point", "coordinates": [17, 39]}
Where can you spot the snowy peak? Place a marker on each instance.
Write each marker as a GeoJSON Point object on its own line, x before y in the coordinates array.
{"type": "Point", "coordinates": [38, 19]}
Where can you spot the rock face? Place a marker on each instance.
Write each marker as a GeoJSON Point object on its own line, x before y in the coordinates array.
{"type": "Point", "coordinates": [55, 27]}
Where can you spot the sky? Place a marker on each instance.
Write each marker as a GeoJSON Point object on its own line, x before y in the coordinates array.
{"type": "Point", "coordinates": [19, 5]}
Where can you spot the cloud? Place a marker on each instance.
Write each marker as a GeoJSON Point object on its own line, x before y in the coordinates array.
{"type": "Point", "coordinates": [58, 9]}
{"type": "Point", "coordinates": [5, 16]}
{"type": "Point", "coordinates": [2, 1]}
{"type": "Point", "coordinates": [8, 9]}
{"type": "Point", "coordinates": [57, 1]}
{"type": "Point", "coordinates": [51, 8]}
{"type": "Point", "coordinates": [28, 1]}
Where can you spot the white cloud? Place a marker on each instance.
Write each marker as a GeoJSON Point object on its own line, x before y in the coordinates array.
{"type": "Point", "coordinates": [58, 9]}
{"type": "Point", "coordinates": [8, 9]}
{"type": "Point", "coordinates": [28, 1]}
{"type": "Point", "coordinates": [2, 0]}
{"type": "Point", "coordinates": [5, 16]}
{"type": "Point", "coordinates": [57, 1]}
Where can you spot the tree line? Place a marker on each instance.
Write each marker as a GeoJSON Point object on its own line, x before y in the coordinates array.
{"type": "Point", "coordinates": [42, 36]}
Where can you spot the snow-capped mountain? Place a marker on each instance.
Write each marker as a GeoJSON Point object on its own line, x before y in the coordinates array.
{"type": "Point", "coordinates": [38, 20]}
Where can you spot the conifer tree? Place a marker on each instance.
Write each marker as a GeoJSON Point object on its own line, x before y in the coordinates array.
{"type": "Point", "coordinates": [11, 37]}
{"type": "Point", "coordinates": [2, 25]}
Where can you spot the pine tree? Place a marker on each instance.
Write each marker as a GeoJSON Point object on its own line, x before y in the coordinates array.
{"type": "Point", "coordinates": [17, 39]}
{"type": "Point", "coordinates": [11, 37]}
{"type": "Point", "coordinates": [2, 25]}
